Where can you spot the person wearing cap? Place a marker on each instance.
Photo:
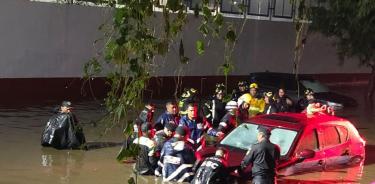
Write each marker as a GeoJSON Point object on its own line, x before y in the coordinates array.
{"type": "Point", "coordinates": [214, 108]}
{"type": "Point", "coordinates": [160, 138]}
{"type": "Point", "coordinates": [63, 130]}
{"type": "Point", "coordinates": [145, 163]}
{"type": "Point", "coordinates": [270, 106]}
{"type": "Point", "coordinates": [196, 127]}
{"type": "Point", "coordinates": [264, 157]}
{"type": "Point", "coordinates": [177, 158]}
{"type": "Point", "coordinates": [256, 104]}
{"type": "Point", "coordinates": [306, 100]}
{"type": "Point", "coordinates": [243, 87]}
{"type": "Point", "coordinates": [169, 116]}
{"type": "Point", "coordinates": [283, 102]}
{"type": "Point", "coordinates": [213, 170]}
{"type": "Point", "coordinates": [229, 121]}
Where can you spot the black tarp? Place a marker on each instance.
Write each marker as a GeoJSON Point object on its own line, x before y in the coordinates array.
{"type": "Point", "coordinates": [63, 132]}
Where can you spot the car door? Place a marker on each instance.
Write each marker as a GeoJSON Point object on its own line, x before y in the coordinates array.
{"type": "Point", "coordinates": [309, 140]}
{"type": "Point", "coordinates": [335, 146]}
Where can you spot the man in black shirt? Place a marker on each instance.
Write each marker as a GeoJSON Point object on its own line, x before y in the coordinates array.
{"type": "Point", "coordinates": [264, 157]}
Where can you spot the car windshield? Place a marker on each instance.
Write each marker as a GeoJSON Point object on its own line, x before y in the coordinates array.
{"type": "Point", "coordinates": [316, 86]}
{"type": "Point", "coordinates": [245, 135]}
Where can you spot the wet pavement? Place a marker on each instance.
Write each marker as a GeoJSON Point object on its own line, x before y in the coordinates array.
{"type": "Point", "coordinates": [23, 160]}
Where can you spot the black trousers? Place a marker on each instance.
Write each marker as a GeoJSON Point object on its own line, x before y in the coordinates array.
{"type": "Point", "coordinates": [263, 180]}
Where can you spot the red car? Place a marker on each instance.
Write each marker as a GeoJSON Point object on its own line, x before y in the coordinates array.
{"type": "Point", "coordinates": [308, 142]}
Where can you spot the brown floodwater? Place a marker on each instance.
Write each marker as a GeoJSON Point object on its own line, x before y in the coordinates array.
{"type": "Point", "coordinates": [23, 160]}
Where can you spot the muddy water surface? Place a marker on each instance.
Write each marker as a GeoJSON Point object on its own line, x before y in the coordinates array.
{"type": "Point", "coordinates": [23, 160]}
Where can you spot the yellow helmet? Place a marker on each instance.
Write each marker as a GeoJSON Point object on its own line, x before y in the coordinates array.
{"type": "Point", "coordinates": [244, 98]}
{"type": "Point", "coordinates": [254, 85]}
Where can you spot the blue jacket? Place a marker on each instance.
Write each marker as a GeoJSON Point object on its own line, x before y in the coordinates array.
{"type": "Point", "coordinates": [197, 128]}
{"type": "Point", "coordinates": [163, 119]}
{"type": "Point", "coordinates": [177, 159]}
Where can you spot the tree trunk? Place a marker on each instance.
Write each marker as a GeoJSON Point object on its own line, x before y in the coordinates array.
{"type": "Point", "coordinates": [371, 84]}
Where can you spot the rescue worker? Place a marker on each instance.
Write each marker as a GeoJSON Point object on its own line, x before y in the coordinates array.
{"type": "Point", "coordinates": [169, 116]}
{"type": "Point", "coordinates": [264, 157]}
{"type": "Point", "coordinates": [270, 106]}
{"type": "Point", "coordinates": [160, 138]}
{"type": "Point", "coordinates": [196, 127]}
{"type": "Point", "coordinates": [229, 121]}
{"type": "Point", "coordinates": [214, 109]}
{"type": "Point", "coordinates": [283, 102]}
{"type": "Point", "coordinates": [177, 158]}
{"type": "Point", "coordinates": [146, 116]}
{"type": "Point", "coordinates": [187, 97]}
{"type": "Point", "coordinates": [256, 104]}
{"type": "Point", "coordinates": [306, 100]}
{"type": "Point", "coordinates": [145, 163]}
{"type": "Point", "coordinates": [243, 107]}
{"type": "Point", "coordinates": [242, 89]}
{"type": "Point", "coordinates": [213, 170]}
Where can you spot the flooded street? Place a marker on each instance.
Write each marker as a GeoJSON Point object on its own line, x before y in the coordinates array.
{"type": "Point", "coordinates": [23, 160]}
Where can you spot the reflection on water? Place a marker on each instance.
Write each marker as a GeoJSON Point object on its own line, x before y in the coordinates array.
{"type": "Point", "coordinates": [64, 163]}
{"type": "Point", "coordinates": [23, 160]}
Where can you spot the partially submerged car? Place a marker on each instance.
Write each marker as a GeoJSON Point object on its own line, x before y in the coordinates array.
{"type": "Point", "coordinates": [307, 142]}
{"type": "Point", "coordinates": [270, 81]}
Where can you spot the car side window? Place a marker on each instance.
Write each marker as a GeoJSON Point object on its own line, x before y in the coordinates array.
{"type": "Point", "coordinates": [331, 136]}
{"type": "Point", "coordinates": [309, 141]}
{"type": "Point", "coordinates": [343, 133]}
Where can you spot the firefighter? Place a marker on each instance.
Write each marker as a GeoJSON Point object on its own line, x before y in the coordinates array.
{"type": "Point", "coordinates": [177, 158]}
{"type": "Point", "coordinates": [214, 109]}
{"type": "Point", "coordinates": [243, 87]}
{"type": "Point", "coordinates": [243, 107]}
{"type": "Point", "coordinates": [213, 170]}
{"type": "Point", "coordinates": [306, 100]}
{"type": "Point", "coordinates": [187, 97]}
{"type": "Point", "coordinates": [256, 104]}
{"type": "Point", "coordinates": [270, 106]}
{"type": "Point", "coordinates": [229, 121]}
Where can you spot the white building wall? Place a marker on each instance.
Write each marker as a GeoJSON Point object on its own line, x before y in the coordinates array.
{"type": "Point", "coordinates": [45, 40]}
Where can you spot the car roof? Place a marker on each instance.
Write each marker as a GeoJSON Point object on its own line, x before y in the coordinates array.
{"type": "Point", "coordinates": [295, 121]}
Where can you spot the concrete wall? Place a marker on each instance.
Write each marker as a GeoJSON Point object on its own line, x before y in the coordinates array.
{"type": "Point", "coordinates": [44, 40]}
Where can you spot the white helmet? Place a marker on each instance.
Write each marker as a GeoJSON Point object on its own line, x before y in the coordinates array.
{"type": "Point", "coordinates": [231, 105]}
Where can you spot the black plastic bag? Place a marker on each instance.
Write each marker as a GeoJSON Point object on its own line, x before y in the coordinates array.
{"type": "Point", "coordinates": [63, 132]}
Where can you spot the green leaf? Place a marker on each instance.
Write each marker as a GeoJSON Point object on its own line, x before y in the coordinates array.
{"type": "Point", "coordinates": [109, 51]}
{"type": "Point", "coordinates": [230, 36]}
{"type": "Point", "coordinates": [204, 29]}
{"type": "Point", "coordinates": [200, 47]}
{"type": "Point", "coordinates": [207, 12]}
{"type": "Point", "coordinates": [219, 19]}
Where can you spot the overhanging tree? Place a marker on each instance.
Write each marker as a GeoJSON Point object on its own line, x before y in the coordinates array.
{"type": "Point", "coordinates": [352, 25]}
